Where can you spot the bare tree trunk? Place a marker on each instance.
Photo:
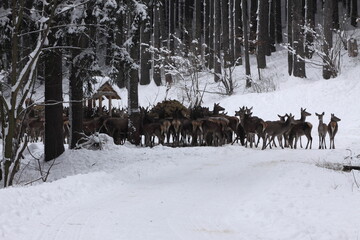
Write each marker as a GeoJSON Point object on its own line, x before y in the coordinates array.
{"type": "Point", "coordinates": [263, 33]}
{"type": "Point", "coordinates": [145, 58]}
{"type": "Point", "coordinates": [336, 15]}
{"type": "Point", "coordinates": [54, 137]}
{"type": "Point", "coordinates": [298, 39]}
{"type": "Point", "coordinates": [354, 12]}
{"type": "Point", "coordinates": [238, 31]}
{"type": "Point", "coordinates": [245, 21]}
{"type": "Point", "coordinates": [217, 39]}
{"type": "Point", "coordinates": [278, 27]}
{"type": "Point", "coordinates": [157, 44]}
{"type": "Point", "coordinates": [310, 22]}
{"type": "Point", "coordinates": [290, 35]}
{"type": "Point", "coordinates": [76, 97]}
{"type": "Point", "coordinates": [133, 102]}
{"type": "Point", "coordinates": [197, 35]}
{"type": "Point", "coordinates": [253, 25]}
{"type": "Point", "coordinates": [224, 36]}
{"type": "Point", "coordinates": [328, 43]}
{"type": "Point", "coordinates": [272, 25]}
{"type": "Point", "coordinates": [211, 45]}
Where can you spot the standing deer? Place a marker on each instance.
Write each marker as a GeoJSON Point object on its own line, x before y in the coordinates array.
{"type": "Point", "coordinates": [276, 129]}
{"type": "Point", "coordinates": [332, 129]}
{"type": "Point", "coordinates": [299, 130]}
{"type": "Point", "coordinates": [302, 119]}
{"type": "Point", "coordinates": [322, 130]}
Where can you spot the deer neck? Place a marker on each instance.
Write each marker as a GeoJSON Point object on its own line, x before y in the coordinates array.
{"type": "Point", "coordinates": [302, 119]}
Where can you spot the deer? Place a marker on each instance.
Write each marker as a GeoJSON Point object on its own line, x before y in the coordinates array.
{"type": "Point", "coordinates": [252, 125]}
{"type": "Point", "coordinates": [332, 129]}
{"type": "Point", "coordinates": [280, 137]}
{"type": "Point", "coordinates": [299, 130]}
{"type": "Point", "coordinates": [322, 131]}
{"type": "Point", "coordinates": [277, 129]}
{"type": "Point", "coordinates": [302, 119]}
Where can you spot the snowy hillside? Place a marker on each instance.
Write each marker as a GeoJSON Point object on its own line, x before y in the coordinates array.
{"type": "Point", "coordinates": [230, 192]}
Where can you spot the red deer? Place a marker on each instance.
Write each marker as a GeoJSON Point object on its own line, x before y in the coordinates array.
{"type": "Point", "coordinates": [299, 130]}
{"type": "Point", "coordinates": [213, 131]}
{"type": "Point", "coordinates": [332, 129]}
{"type": "Point", "coordinates": [302, 119]}
{"type": "Point", "coordinates": [322, 131]}
{"type": "Point", "coordinates": [198, 132]}
{"type": "Point", "coordinates": [277, 129]}
{"type": "Point", "coordinates": [252, 125]}
{"type": "Point", "coordinates": [117, 128]}
{"type": "Point", "coordinates": [151, 130]}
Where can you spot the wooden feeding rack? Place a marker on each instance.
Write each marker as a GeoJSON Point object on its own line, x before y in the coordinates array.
{"type": "Point", "coordinates": [105, 91]}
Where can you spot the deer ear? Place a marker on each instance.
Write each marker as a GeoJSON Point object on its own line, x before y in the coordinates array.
{"type": "Point", "coordinates": [323, 113]}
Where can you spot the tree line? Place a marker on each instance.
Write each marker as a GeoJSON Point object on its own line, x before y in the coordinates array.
{"type": "Point", "coordinates": [139, 41]}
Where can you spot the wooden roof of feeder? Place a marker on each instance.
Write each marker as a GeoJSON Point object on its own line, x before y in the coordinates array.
{"type": "Point", "coordinates": [106, 90]}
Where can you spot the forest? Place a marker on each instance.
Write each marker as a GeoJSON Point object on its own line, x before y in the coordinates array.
{"type": "Point", "coordinates": [138, 42]}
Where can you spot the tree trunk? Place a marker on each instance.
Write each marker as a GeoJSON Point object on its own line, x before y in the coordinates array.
{"type": "Point", "coordinates": [245, 21]}
{"type": "Point", "coordinates": [263, 33]}
{"type": "Point", "coordinates": [206, 30]}
{"type": "Point", "coordinates": [238, 31]}
{"type": "Point", "coordinates": [298, 39]}
{"type": "Point", "coordinates": [157, 44]}
{"type": "Point", "coordinates": [310, 22]}
{"type": "Point", "coordinates": [272, 25]}
{"type": "Point", "coordinates": [328, 43]}
{"type": "Point", "coordinates": [133, 102]}
{"type": "Point", "coordinates": [224, 36]}
{"type": "Point", "coordinates": [253, 25]}
{"type": "Point", "coordinates": [54, 133]}
{"type": "Point", "coordinates": [145, 53]}
{"type": "Point", "coordinates": [336, 15]}
{"type": "Point", "coordinates": [232, 32]}
{"type": "Point", "coordinates": [354, 12]}
{"type": "Point", "coordinates": [211, 45]}
{"type": "Point", "coordinates": [278, 27]}
{"type": "Point", "coordinates": [217, 39]}
{"type": "Point", "coordinates": [197, 23]}
{"type": "Point", "coordinates": [119, 40]}
{"type": "Point", "coordinates": [290, 36]}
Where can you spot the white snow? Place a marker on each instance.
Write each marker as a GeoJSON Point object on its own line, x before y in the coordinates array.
{"type": "Point", "coordinates": [229, 192]}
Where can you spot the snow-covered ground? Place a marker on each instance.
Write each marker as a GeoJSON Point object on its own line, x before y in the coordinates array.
{"type": "Point", "coordinates": [230, 192]}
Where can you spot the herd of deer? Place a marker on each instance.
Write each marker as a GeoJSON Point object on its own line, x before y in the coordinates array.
{"type": "Point", "coordinates": [286, 129]}
{"type": "Point", "coordinates": [201, 127]}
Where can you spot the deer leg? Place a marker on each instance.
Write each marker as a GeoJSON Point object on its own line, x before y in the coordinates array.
{"type": "Point", "coordinates": [309, 138]}
{"type": "Point", "coordinates": [295, 144]}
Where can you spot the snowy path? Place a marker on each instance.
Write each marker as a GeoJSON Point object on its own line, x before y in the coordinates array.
{"type": "Point", "coordinates": [239, 194]}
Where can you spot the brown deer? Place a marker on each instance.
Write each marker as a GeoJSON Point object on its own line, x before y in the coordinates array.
{"type": "Point", "coordinates": [276, 129]}
{"type": "Point", "coordinates": [302, 119]}
{"type": "Point", "coordinates": [299, 130]}
{"type": "Point", "coordinates": [252, 125]}
{"type": "Point", "coordinates": [332, 129]}
{"type": "Point", "coordinates": [322, 131]}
